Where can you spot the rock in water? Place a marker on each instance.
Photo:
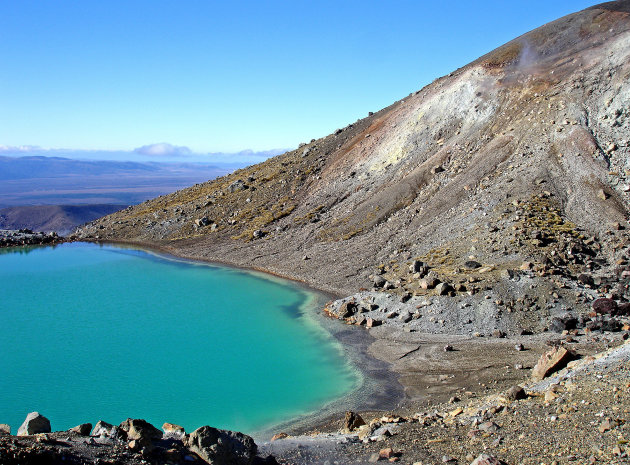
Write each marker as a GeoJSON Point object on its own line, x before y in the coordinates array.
{"type": "Point", "coordinates": [34, 423]}
{"type": "Point", "coordinates": [352, 421]}
{"type": "Point", "coordinates": [221, 447]}
{"type": "Point", "coordinates": [551, 361]}
{"type": "Point", "coordinates": [5, 429]}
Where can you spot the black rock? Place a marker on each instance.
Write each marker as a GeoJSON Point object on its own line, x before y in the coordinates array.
{"type": "Point", "coordinates": [472, 265]}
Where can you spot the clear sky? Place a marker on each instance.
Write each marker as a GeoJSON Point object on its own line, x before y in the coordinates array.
{"type": "Point", "coordinates": [214, 76]}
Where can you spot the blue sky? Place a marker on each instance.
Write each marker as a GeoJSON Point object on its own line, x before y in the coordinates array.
{"type": "Point", "coordinates": [210, 76]}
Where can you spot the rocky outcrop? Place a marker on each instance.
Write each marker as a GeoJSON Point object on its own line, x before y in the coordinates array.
{"type": "Point", "coordinates": [21, 237]}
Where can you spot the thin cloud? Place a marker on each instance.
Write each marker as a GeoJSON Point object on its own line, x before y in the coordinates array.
{"type": "Point", "coordinates": [20, 148]}
{"type": "Point", "coordinates": [163, 149]}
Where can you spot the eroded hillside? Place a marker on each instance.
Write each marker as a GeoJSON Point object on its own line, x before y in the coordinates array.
{"type": "Point", "coordinates": [518, 162]}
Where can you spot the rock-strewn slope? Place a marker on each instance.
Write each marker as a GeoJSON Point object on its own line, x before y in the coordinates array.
{"type": "Point", "coordinates": [520, 156]}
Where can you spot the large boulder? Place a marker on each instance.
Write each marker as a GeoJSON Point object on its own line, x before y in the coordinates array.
{"type": "Point", "coordinates": [222, 447]}
{"type": "Point", "coordinates": [604, 306]}
{"type": "Point", "coordinates": [34, 423]}
{"type": "Point", "coordinates": [140, 430]}
{"type": "Point", "coordinates": [104, 429]}
{"type": "Point", "coordinates": [552, 361]}
{"type": "Point", "coordinates": [352, 422]}
{"type": "Point", "coordinates": [82, 430]}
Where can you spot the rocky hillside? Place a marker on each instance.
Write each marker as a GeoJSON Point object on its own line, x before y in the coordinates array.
{"type": "Point", "coordinates": [514, 164]}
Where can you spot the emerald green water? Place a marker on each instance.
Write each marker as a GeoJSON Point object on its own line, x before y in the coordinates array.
{"type": "Point", "coordinates": [91, 332]}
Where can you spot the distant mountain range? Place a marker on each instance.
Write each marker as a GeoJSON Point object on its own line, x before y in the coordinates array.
{"type": "Point", "coordinates": [57, 193]}
{"type": "Point", "coordinates": [59, 218]}
{"type": "Point", "coordinates": [37, 180]}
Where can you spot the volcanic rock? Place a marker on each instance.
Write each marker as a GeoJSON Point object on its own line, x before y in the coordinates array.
{"type": "Point", "coordinates": [222, 447]}
{"type": "Point", "coordinates": [83, 429]}
{"type": "Point", "coordinates": [551, 361]}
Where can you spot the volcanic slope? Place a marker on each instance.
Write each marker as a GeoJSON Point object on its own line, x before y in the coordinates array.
{"type": "Point", "coordinates": [517, 162]}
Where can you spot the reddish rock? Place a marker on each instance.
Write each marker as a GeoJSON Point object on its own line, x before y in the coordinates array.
{"type": "Point", "coordinates": [552, 361]}
{"type": "Point", "coordinates": [386, 453]}
{"type": "Point", "coordinates": [604, 306]}
{"type": "Point", "coordinates": [278, 436]}
{"type": "Point", "coordinates": [623, 309]}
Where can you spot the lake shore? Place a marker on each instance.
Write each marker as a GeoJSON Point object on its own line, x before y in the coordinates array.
{"type": "Point", "coordinates": [409, 374]}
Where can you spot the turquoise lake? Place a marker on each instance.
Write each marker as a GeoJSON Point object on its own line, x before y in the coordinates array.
{"type": "Point", "coordinates": [97, 332]}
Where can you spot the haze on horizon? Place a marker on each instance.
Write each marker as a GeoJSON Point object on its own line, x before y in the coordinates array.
{"type": "Point", "coordinates": [163, 80]}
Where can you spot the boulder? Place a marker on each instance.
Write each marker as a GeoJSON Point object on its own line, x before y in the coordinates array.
{"type": "Point", "coordinates": [514, 393]}
{"type": "Point", "coordinates": [278, 436]}
{"type": "Point", "coordinates": [237, 185]}
{"type": "Point", "coordinates": [371, 323]}
{"type": "Point", "coordinates": [171, 429]}
{"type": "Point", "coordinates": [429, 282]}
{"type": "Point", "coordinates": [604, 306]}
{"type": "Point", "coordinates": [379, 281]}
{"type": "Point", "coordinates": [205, 221]}
{"type": "Point", "coordinates": [33, 424]}
{"type": "Point", "coordinates": [346, 310]}
{"type": "Point", "coordinates": [472, 265]}
{"type": "Point", "coordinates": [352, 421]}
{"type": "Point", "coordinates": [5, 429]}
{"type": "Point", "coordinates": [140, 431]}
{"type": "Point", "coordinates": [82, 430]}
{"type": "Point", "coordinates": [563, 323]}
{"type": "Point", "coordinates": [586, 279]}
{"type": "Point", "coordinates": [386, 453]}
{"type": "Point", "coordinates": [418, 267]}
{"type": "Point", "coordinates": [551, 361]}
{"type": "Point", "coordinates": [443, 288]}
{"type": "Point", "coordinates": [103, 428]}
{"type": "Point", "coordinates": [623, 309]}
{"type": "Point", "coordinates": [222, 447]}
